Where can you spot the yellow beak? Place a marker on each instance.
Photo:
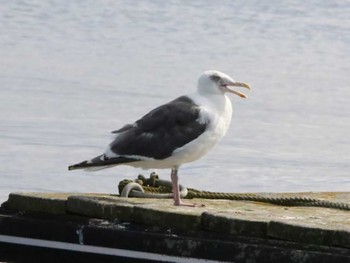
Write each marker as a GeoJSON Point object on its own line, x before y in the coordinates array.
{"type": "Point", "coordinates": [238, 84]}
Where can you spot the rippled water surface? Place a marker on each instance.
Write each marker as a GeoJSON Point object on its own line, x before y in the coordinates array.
{"type": "Point", "coordinates": [72, 71]}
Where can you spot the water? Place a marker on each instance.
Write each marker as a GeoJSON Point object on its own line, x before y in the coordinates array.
{"type": "Point", "coordinates": [71, 71]}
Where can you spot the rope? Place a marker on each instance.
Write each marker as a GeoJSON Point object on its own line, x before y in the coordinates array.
{"type": "Point", "coordinates": [154, 187]}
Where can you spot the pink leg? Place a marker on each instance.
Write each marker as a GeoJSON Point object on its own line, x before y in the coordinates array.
{"type": "Point", "coordinates": [176, 190]}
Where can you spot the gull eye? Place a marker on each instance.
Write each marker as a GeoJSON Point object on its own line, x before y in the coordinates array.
{"type": "Point", "coordinates": [215, 78]}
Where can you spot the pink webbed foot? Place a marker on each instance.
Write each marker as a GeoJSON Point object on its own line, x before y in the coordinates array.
{"type": "Point", "coordinates": [176, 191]}
{"type": "Point", "coordinates": [181, 203]}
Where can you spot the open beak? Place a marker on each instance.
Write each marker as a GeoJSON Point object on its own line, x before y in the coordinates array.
{"type": "Point", "coordinates": [238, 84]}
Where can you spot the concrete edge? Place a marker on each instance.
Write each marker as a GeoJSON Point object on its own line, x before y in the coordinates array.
{"type": "Point", "coordinates": [114, 208]}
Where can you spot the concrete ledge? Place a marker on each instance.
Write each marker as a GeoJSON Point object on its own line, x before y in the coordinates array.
{"type": "Point", "coordinates": [167, 218]}
{"type": "Point", "coordinates": [234, 226]}
{"type": "Point", "coordinates": [306, 234]}
{"type": "Point", "coordinates": [104, 207]}
{"type": "Point", "coordinates": [53, 203]}
{"type": "Point", "coordinates": [309, 225]}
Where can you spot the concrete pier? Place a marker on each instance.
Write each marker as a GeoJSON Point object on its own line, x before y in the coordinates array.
{"type": "Point", "coordinates": [222, 231]}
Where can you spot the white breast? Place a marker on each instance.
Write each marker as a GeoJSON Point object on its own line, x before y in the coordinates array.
{"type": "Point", "coordinates": [216, 110]}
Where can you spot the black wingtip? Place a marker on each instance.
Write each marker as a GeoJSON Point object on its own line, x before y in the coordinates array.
{"type": "Point", "coordinates": [77, 166]}
{"type": "Point", "coordinates": [97, 162]}
{"type": "Point", "coordinates": [71, 167]}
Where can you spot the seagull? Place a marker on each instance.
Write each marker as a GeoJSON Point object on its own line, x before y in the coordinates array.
{"type": "Point", "coordinates": [178, 132]}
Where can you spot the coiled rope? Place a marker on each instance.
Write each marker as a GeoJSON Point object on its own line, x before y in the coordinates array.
{"type": "Point", "coordinates": [154, 187]}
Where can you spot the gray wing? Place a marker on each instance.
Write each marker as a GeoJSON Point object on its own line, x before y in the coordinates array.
{"type": "Point", "coordinates": [161, 131]}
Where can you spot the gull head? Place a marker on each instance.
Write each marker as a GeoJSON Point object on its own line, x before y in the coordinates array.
{"type": "Point", "coordinates": [216, 82]}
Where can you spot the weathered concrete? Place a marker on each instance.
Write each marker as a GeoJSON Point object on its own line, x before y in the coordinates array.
{"type": "Point", "coordinates": [319, 226]}
{"type": "Point", "coordinates": [53, 203]}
